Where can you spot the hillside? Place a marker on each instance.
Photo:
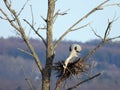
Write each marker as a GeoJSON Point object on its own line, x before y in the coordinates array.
{"type": "Point", "coordinates": [13, 63]}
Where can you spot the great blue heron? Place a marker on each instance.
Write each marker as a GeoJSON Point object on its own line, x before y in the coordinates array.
{"type": "Point", "coordinates": [74, 50]}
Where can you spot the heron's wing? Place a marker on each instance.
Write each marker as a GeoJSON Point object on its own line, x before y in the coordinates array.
{"type": "Point", "coordinates": [74, 59]}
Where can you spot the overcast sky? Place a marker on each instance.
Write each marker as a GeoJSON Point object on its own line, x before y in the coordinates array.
{"type": "Point", "coordinates": [75, 9]}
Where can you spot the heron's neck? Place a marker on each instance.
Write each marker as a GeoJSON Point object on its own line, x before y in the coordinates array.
{"type": "Point", "coordinates": [72, 54]}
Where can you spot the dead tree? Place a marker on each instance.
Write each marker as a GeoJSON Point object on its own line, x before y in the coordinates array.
{"type": "Point", "coordinates": [76, 67]}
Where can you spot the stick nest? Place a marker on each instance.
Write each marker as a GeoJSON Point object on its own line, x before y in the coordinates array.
{"type": "Point", "coordinates": [73, 68]}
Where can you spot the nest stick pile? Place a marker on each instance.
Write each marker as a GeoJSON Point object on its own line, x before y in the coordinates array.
{"type": "Point", "coordinates": [73, 68]}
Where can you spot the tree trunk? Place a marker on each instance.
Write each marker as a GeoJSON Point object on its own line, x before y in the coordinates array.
{"type": "Point", "coordinates": [46, 74]}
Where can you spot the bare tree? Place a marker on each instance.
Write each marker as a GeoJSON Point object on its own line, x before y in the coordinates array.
{"type": "Point", "coordinates": [15, 22]}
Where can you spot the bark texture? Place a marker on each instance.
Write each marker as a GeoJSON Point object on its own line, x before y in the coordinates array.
{"type": "Point", "coordinates": [46, 74]}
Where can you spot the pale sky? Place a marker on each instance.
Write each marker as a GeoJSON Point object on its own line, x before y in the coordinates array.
{"type": "Point", "coordinates": [75, 9]}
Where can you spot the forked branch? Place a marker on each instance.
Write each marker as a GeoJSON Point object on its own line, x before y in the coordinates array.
{"type": "Point", "coordinates": [99, 7]}
{"type": "Point", "coordinates": [104, 40]}
{"type": "Point", "coordinates": [35, 31]}
{"type": "Point", "coordinates": [16, 24]}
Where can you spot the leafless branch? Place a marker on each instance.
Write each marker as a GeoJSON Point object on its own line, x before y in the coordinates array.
{"type": "Point", "coordinates": [109, 39]}
{"type": "Point", "coordinates": [80, 27]}
{"type": "Point", "coordinates": [22, 8]}
{"type": "Point", "coordinates": [44, 19]}
{"type": "Point", "coordinates": [59, 82]}
{"type": "Point", "coordinates": [9, 20]}
{"type": "Point", "coordinates": [29, 83]}
{"type": "Point", "coordinates": [32, 18]}
{"type": "Point", "coordinates": [57, 42]}
{"type": "Point", "coordinates": [107, 30]}
{"type": "Point", "coordinates": [32, 15]}
{"type": "Point", "coordinates": [95, 32]}
{"type": "Point", "coordinates": [105, 39]}
{"type": "Point", "coordinates": [90, 78]}
{"type": "Point", "coordinates": [17, 25]}
{"type": "Point", "coordinates": [8, 3]}
{"type": "Point", "coordinates": [99, 7]}
{"type": "Point", "coordinates": [42, 28]}
{"type": "Point", "coordinates": [2, 18]}
{"type": "Point", "coordinates": [24, 51]}
{"type": "Point", "coordinates": [114, 4]}
{"type": "Point", "coordinates": [35, 31]}
{"type": "Point", "coordinates": [27, 79]}
{"type": "Point", "coordinates": [60, 13]}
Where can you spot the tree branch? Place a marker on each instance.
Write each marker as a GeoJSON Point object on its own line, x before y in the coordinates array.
{"type": "Point", "coordinates": [43, 19]}
{"type": "Point", "coordinates": [20, 29]}
{"type": "Point", "coordinates": [114, 4]}
{"type": "Point", "coordinates": [9, 20]}
{"type": "Point", "coordinates": [32, 15]}
{"type": "Point", "coordinates": [35, 31]}
{"type": "Point", "coordinates": [59, 82]}
{"type": "Point", "coordinates": [27, 79]}
{"type": "Point", "coordinates": [99, 7]}
{"type": "Point", "coordinates": [22, 8]}
{"type": "Point", "coordinates": [80, 27]}
{"type": "Point", "coordinates": [90, 78]}
{"type": "Point", "coordinates": [109, 39]}
{"type": "Point", "coordinates": [2, 17]}
{"type": "Point", "coordinates": [95, 32]}
{"type": "Point", "coordinates": [24, 51]}
{"type": "Point", "coordinates": [107, 30]}
{"type": "Point", "coordinates": [59, 13]}
{"type": "Point", "coordinates": [105, 39]}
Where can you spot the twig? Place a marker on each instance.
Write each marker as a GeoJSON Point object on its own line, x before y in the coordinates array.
{"type": "Point", "coordinates": [35, 31]}
{"type": "Point", "coordinates": [60, 13]}
{"type": "Point", "coordinates": [107, 30]}
{"type": "Point", "coordinates": [24, 51]}
{"type": "Point", "coordinates": [95, 32]}
{"type": "Point", "coordinates": [109, 39]}
{"type": "Point", "coordinates": [22, 8]}
{"type": "Point", "coordinates": [32, 15]}
{"type": "Point", "coordinates": [9, 20]}
{"type": "Point", "coordinates": [80, 27]}
{"type": "Point", "coordinates": [2, 18]}
{"type": "Point", "coordinates": [42, 28]}
{"type": "Point", "coordinates": [27, 80]}
{"type": "Point", "coordinates": [90, 78]}
{"type": "Point", "coordinates": [25, 76]}
{"type": "Point", "coordinates": [43, 18]}
{"type": "Point", "coordinates": [114, 4]}
{"type": "Point", "coordinates": [29, 83]}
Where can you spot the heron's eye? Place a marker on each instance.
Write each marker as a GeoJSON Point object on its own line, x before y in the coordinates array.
{"type": "Point", "coordinates": [76, 48]}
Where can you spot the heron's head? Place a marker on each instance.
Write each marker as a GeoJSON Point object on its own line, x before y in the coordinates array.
{"type": "Point", "coordinates": [74, 50]}
{"type": "Point", "coordinates": [75, 47]}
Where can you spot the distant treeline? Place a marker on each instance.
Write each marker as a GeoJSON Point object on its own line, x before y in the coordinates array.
{"type": "Point", "coordinates": [12, 60]}
{"type": "Point", "coordinates": [110, 52]}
